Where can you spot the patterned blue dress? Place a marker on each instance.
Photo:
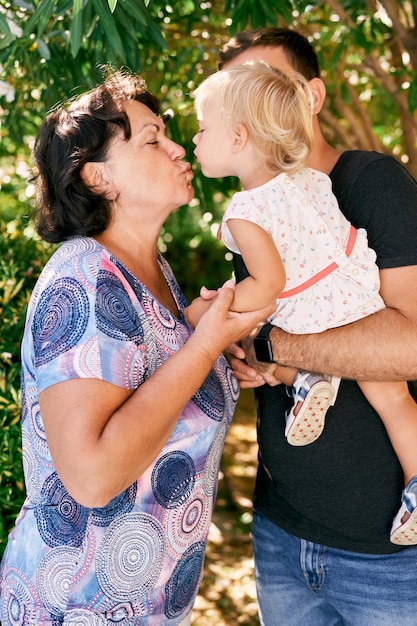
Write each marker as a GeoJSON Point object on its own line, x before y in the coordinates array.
{"type": "Point", "coordinates": [138, 560]}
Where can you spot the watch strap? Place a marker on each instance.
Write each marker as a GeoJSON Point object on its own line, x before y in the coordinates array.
{"type": "Point", "coordinates": [265, 330]}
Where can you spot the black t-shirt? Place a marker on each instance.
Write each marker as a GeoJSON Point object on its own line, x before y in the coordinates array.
{"type": "Point", "coordinates": [344, 489]}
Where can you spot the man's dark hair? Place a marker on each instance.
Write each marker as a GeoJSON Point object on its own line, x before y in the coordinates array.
{"type": "Point", "coordinates": [297, 48]}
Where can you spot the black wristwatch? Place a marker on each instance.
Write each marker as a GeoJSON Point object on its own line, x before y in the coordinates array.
{"type": "Point", "coordinates": [262, 345]}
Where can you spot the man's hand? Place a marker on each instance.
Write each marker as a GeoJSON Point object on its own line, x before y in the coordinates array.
{"type": "Point", "coordinates": [247, 376]}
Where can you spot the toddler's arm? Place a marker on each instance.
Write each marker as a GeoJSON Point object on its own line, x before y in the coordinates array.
{"type": "Point", "coordinates": [266, 270]}
{"type": "Point", "coordinates": [198, 307]}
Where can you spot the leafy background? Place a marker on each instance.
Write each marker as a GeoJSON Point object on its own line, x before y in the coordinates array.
{"type": "Point", "coordinates": [51, 50]}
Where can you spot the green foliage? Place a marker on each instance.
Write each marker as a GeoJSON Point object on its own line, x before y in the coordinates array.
{"type": "Point", "coordinates": [196, 257]}
{"type": "Point", "coordinates": [21, 259]}
{"type": "Point", "coordinates": [258, 13]}
{"type": "Point", "coordinates": [46, 55]}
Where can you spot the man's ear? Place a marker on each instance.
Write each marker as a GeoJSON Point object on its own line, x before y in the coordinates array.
{"type": "Point", "coordinates": [93, 174]}
{"type": "Point", "coordinates": [240, 137]}
{"type": "Point", "coordinates": [318, 92]}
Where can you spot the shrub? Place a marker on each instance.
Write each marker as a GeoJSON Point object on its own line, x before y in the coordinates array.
{"type": "Point", "coordinates": [21, 259]}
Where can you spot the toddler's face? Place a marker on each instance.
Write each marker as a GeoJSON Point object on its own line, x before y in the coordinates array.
{"type": "Point", "coordinates": [213, 142]}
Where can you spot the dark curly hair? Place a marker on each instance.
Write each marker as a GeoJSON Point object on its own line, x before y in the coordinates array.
{"type": "Point", "coordinates": [71, 136]}
{"type": "Point", "coordinates": [298, 50]}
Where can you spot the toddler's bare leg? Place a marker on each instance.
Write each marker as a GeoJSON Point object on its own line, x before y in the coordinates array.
{"type": "Point", "coordinates": [398, 411]}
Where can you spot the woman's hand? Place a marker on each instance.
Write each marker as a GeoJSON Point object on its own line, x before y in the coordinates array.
{"type": "Point", "coordinates": [248, 377]}
{"type": "Point", "coordinates": [219, 327]}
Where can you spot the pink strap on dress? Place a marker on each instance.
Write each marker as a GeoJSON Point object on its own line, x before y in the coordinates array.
{"type": "Point", "coordinates": [324, 272]}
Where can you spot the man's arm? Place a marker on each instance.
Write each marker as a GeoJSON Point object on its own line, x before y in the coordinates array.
{"type": "Point", "coordinates": [376, 193]}
{"type": "Point", "coordinates": [382, 346]}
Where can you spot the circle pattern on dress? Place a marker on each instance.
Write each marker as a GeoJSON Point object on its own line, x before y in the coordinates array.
{"type": "Point", "coordinates": [163, 315]}
{"type": "Point", "coordinates": [60, 319]}
{"type": "Point", "coordinates": [183, 584]}
{"type": "Point", "coordinates": [189, 522]}
{"type": "Point", "coordinates": [18, 594]}
{"type": "Point", "coordinates": [30, 467]}
{"type": "Point", "coordinates": [125, 613]}
{"type": "Point", "coordinates": [60, 519]}
{"type": "Point", "coordinates": [210, 398]}
{"type": "Point", "coordinates": [121, 504]}
{"type": "Point", "coordinates": [212, 463]}
{"type": "Point", "coordinates": [54, 576]}
{"type": "Point", "coordinates": [81, 617]}
{"type": "Point", "coordinates": [173, 477]}
{"type": "Point", "coordinates": [116, 316]}
{"type": "Point", "coordinates": [233, 383]}
{"type": "Point", "coordinates": [130, 557]}
{"type": "Point", "coordinates": [32, 422]}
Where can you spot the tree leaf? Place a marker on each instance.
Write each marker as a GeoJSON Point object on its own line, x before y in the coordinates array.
{"type": "Point", "coordinates": [40, 17]}
{"type": "Point", "coordinates": [76, 27]}
{"type": "Point", "coordinates": [133, 7]}
{"type": "Point", "coordinates": [112, 5]}
{"type": "Point", "coordinates": [156, 35]}
{"type": "Point", "coordinates": [43, 49]}
{"type": "Point", "coordinates": [109, 27]}
{"type": "Point", "coordinates": [4, 27]}
{"type": "Point", "coordinates": [6, 36]}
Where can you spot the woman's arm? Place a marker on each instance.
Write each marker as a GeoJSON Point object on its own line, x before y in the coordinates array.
{"type": "Point", "coordinates": [103, 437]}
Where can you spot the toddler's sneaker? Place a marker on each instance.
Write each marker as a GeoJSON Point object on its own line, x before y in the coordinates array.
{"type": "Point", "coordinates": [404, 533]}
{"type": "Point", "coordinates": [313, 394]}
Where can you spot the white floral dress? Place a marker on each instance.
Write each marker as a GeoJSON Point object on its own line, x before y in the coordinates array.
{"type": "Point", "coordinates": [331, 275]}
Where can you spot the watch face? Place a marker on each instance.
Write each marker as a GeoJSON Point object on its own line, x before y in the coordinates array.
{"type": "Point", "coordinates": [263, 350]}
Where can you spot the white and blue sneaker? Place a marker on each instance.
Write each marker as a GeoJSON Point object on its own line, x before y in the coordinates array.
{"type": "Point", "coordinates": [313, 394]}
{"type": "Point", "coordinates": [404, 531]}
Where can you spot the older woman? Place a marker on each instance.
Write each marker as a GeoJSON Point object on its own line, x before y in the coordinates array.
{"type": "Point", "coordinates": [125, 410]}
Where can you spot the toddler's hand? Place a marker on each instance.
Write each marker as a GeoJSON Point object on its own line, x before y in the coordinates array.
{"type": "Point", "coordinates": [196, 310]}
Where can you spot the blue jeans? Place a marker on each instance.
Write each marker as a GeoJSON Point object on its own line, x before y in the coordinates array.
{"type": "Point", "coordinates": [300, 583]}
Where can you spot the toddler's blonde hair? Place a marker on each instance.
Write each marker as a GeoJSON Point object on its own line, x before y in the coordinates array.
{"type": "Point", "coordinates": [274, 107]}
